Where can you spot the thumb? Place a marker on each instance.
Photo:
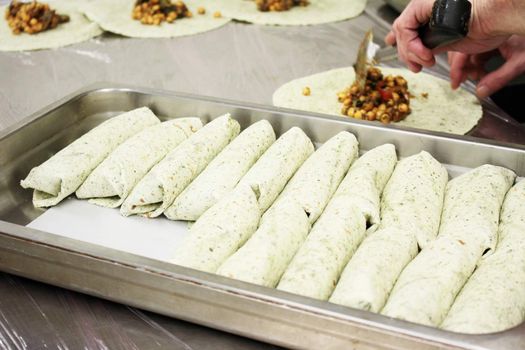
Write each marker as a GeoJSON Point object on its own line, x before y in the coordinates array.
{"type": "Point", "coordinates": [497, 79]}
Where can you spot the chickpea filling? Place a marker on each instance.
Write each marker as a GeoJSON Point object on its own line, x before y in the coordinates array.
{"type": "Point", "coordinates": [32, 17]}
{"type": "Point", "coordinates": [154, 12]}
{"type": "Point", "coordinates": [385, 98]}
{"type": "Point", "coordinates": [279, 5]}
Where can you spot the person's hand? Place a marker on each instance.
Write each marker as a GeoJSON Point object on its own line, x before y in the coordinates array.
{"type": "Point", "coordinates": [464, 66]}
{"type": "Point", "coordinates": [483, 33]}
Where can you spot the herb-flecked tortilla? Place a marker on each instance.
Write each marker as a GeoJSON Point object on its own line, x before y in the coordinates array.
{"type": "Point", "coordinates": [476, 195]}
{"type": "Point", "coordinates": [370, 274]}
{"type": "Point", "coordinates": [366, 180]}
{"type": "Point", "coordinates": [115, 16]}
{"type": "Point", "coordinates": [428, 286]}
{"type": "Point", "coordinates": [264, 257]}
{"type": "Point", "coordinates": [445, 110]}
{"type": "Point", "coordinates": [410, 211]}
{"type": "Point", "coordinates": [315, 269]}
{"type": "Point", "coordinates": [76, 30]}
{"type": "Point", "coordinates": [112, 181]}
{"type": "Point", "coordinates": [413, 197]}
{"type": "Point", "coordinates": [493, 299]}
{"type": "Point", "coordinates": [154, 194]}
{"type": "Point", "coordinates": [224, 172]}
{"type": "Point", "coordinates": [62, 174]}
{"type": "Point", "coordinates": [315, 182]}
{"type": "Point", "coordinates": [317, 12]}
{"type": "Point", "coordinates": [276, 166]}
{"type": "Point", "coordinates": [220, 231]}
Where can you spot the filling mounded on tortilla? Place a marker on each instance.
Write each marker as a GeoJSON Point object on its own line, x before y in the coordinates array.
{"type": "Point", "coordinates": [433, 104]}
{"type": "Point", "coordinates": [279, 5]}
{"type": "Point", "coordinates": [33, 17]}
{"type": "Point", "coordinates": [384, 98]}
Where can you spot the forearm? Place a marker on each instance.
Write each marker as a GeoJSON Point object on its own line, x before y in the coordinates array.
{"type": "Point", "coordinates": [500, 17]}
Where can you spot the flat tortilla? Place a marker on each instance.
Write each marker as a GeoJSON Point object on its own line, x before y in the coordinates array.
{"type": "Point", "coordinates": [78, 29]}
{"type": "Point", "coordinates": [62, 174]}
{"type": "Point", "coordinates": [112, 181]}
{"type": "Point", "coordinates": [276, 166]}
{"type": "Point", "coordinates": [115, 16]}
{"type": "Point", "coordinates": [263, 259]}
{"type": "Point", "coordinates": [224, 172]}
{"type": "Point", "coordinates": [220, 231]}
{"type": "Point", "coordinates": [317, 12]}
{"type": "Point", "coordinates": [317, 179]}
{"type": "Point", "coordinates": [445, 110]}
{"type": "Point", "coordinates": [428, 286]}
{"type": "Point", "coordinates": [493, 299]}
{"type": "Point", "coordinates": [410, 212]}
{"type": "Point", "coordinates": [166, 180]}
{"type": "Point", "coordinates": [315, 269]}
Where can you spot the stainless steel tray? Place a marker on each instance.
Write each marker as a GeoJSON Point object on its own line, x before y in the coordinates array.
{"type": "Point", "coordinates": [257, 312]}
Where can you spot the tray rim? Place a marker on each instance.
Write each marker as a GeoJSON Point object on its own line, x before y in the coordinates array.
{"type": "Point", "coordinates": [221, 284]}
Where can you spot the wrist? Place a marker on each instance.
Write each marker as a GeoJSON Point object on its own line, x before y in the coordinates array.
{"type": "Point", "coordinates": [499, 17]}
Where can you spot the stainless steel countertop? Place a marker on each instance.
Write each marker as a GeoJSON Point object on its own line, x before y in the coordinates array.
{"type": "Point", "coordinates": [238, 61]}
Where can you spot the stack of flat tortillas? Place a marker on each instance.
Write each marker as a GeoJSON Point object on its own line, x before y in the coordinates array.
{"type": "Point", "coordinates": [444, 110]}
{"type": "Point", "coordinates": [317, 12]}
{"type": "Point", "coordinates": [78, 29]}
{"type": "Point", "coordinates": [115, 16]}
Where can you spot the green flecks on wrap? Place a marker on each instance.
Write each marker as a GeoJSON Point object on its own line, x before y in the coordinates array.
{"type": "Point", "coordinates": [223, 228]}
{"type": "Point", "coordinates": [220, 231]}
{"type": "Point", "coordinates": [428, 286]}
{"type": "Point", "coordinates": [310, 189]}
{"type": "Point", "coordinates": [224, 172]}
{"type": "Point", "coordinates": [315, 269]}
{"type": "Point", "coordinates": [166, 180]}
{"type": "Point", "coordinates": [62, 174]}
{"type": "Point", "coordinates": [112, 181]}
{"type": "Point", "coordinates": [410, 211]}
{"type": "Point", "coordinates": [317, 179]}
{"type": "Point", "coordinates": [276, 166]}
{"type": "Point", "coordinates": [266, 254]}
{"type": "Point", "coordinates": [493, 299]}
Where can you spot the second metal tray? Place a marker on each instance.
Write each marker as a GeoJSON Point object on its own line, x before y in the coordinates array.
{"type": "Point", "coordinates": [257, 312]}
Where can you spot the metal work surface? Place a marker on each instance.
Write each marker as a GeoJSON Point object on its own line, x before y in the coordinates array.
{"type": "Point", "coordinates": [258, 312]}
{"type": "Point", "coordinates": [239, 61]}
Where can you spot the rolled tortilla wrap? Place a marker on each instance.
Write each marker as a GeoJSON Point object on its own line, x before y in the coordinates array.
{"type": "Point", "coordinates": [372, 271]}
{"type": "Point", "coordinates": [220, 231]}
{"type": "Point", "coordinates": [223, 173]}
{"type": "Point", "coordinates": [166, 180]}
{"type": "Point", "coordinates": [476, 195]}
{"type": "Point", "coordinates": [493, 299]}
{"type": "Point", "coordinates": [427, 287]}
{"type": "Point", "coordinates": [264, 257]}
{"type": "Point", "coordinates": [413, 197]}
{"type": "Point", "coordinates": [410, 211]}
{"type": "Point", "coordinates": [315, 269]}
{"type": "Point", "coordinates": [366, 180]}
{"type": "Point", "coordinates": [317, 179]}
{"type": "Point", "coordinates": [276, 166]}
{"type": "Point", "coordinates": [62, 174]}
{"type": "Point", "coordinates": [228, 224]}
{"type": "Point", "coordinates": [112, 181]}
